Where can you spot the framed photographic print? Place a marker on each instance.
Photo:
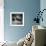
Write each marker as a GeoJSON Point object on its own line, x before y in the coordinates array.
{"type": "Point", "coordinates": [17, 18]}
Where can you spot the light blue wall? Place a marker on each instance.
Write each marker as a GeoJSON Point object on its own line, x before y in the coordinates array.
{"type": "Point", "coordinates": [43, 6]}
{"type": "Point", "coordinates": [29, 7]}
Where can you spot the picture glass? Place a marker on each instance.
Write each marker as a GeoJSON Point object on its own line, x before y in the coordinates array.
{"type": "Point", "coordinates": [17, 18]}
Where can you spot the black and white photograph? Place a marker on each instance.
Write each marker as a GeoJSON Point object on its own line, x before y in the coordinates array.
{"type": "Point", "coordinates": [17, 18]}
